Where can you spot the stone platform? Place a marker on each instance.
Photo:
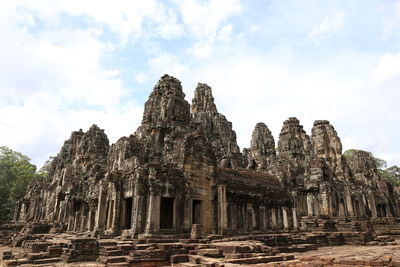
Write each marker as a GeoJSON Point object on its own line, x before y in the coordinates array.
{"type": "Point", "coordinates": [291, 249]}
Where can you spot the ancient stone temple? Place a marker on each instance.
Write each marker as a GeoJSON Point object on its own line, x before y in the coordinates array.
{"type": "Point", "coordinates": [182, 175]}
{"type": "Point", "coordinates": [183, 166]}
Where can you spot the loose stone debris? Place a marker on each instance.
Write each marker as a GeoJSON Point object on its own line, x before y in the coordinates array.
{"type": "Point", "coordinates": [179, 192]}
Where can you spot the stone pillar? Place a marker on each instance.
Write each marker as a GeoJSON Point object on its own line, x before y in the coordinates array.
{"type": "Point", "coordinates": [117, 211]}
{"type": "Point", "coordinates": [349, 204]}
{"type": "Point", "coordinates": [295, 222]}
{"type": "Point", "coordinates": [89, 221]}
{"type": "Point", "coordinates": [70, 223]}
{"type": "Point", "coordinates": [310, 210]}
{"type": "Point", "coordinates": [325, 204]}
{"type": "Point", "coordinates": [83, 217]}
{"type": "Point", "coordinates": [285, 218]}
{"type": "Point", "coordinates": [263, 219]}
{"type": "Point", "coordinates": [388, 213]}
{"type": "Point", "coordinates": [101, 214]}
{"type": "Point", "coordinates": [249, 215]}
{"type": "Point", "coordinates": [274, 223]}
{"type": "Point", "coordinates": [67, 211]}
{"type": "Point", "coordinates": [222, 210]}
{"type": "Point", "coordinates": [268, 218]}
{"type": "Point", "coordinates": [186, 213]}
{"type": "Point", "coordinates": [234, 215]}
{"type": "Point", "coordinates": [56, 208]}
{"type": "Point", "coordinates": [153, 214]}
{"type": "Point", "coordinates": [137, 214]}
{"type": "Point", "coordinates": [110, 213]}
{"type": "Point", "coordinates": [18, 211]}
{"type": "Point", "coordinates": [342, 212]}
{"type": "Point", "coordinates": [77, 220]}
{"type": "Point", "coordinates": [60, 212]}
{"type": "Point", "coordinates": [361, 208]}
{"type": "Point", "coordinates": [279, 218]}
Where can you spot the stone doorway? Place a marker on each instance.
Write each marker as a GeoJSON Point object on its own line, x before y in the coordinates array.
{"type": "Point", "coordinates": [128, 213]}
{"type": "Point", "coordinates": [167, 213]}
{"type": "Point", "coordinates": [196, 212]}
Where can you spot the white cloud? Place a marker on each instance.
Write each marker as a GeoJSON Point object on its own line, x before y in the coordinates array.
{"type": "Point", "coordinates": [167, 63]}
{"type": "Point", "coordinates": [225, 33]}
{"type": "Point", "coordinates": [167, 25]}
{"type": "Point", "coordinates": [388, 69]}
{"type": "Point", "coordinates": [141, 77]}
{"type": "Point", "coordinates": [53, 82]}
{"type": "Point", "coordinates": [326, 28]}
{"type": "Point", "coordinates": [203, 19]}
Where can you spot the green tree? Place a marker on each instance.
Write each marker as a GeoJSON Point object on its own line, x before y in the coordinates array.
{"type": "Point", "coordinates": [16, 172]}
{"type": "Point", "coordinates": [44, 171]}
{"type": "Point", "coordinates": [392, 174]}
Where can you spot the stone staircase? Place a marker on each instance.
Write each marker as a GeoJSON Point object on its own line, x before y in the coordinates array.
{"type": "Point", "coordinates": [221, 255]}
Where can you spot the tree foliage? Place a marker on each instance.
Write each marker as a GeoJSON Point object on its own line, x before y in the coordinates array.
{"type": "Point", "coordinates": [16, 172]}
{"type": "Point", "coordinates": [44, 171]}
{"type": "Point", "coordinates": [392, 174]}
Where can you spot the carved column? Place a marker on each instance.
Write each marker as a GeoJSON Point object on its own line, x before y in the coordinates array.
{"type": "Point", "coordinates": [17, 211]}
{"type": "Point", "coordinates": [325, 204]}
{"type": "Point", "coordinates": [137, 213]}
{"type": "Point", "coordinates": [279, 217]}
{"type": "Point", "coordinates": [310, 204]}
{"type": "Point", "coordinates": [273, 218]}
{"type": "Point", "coordinates": [285, 218]}
{"type": "Point", "coordinates": [89, 221]}
{"type": "Point", "coordinates": [234, 215]}
{"type": "Point", "coordinates": [349, 204]}
{"type": "Point", "coordinates": [77, 222]}
{"type": "Point", "coordinates": [70, 223]}
{"type": "Point", "coordinates": [115, 226]}
{"type": "Point", "coordinates": [263, 219]}
{"type": "Point", "coordinates": [361, 207]}
{"type": "Point", "coordinates": [110, 212]}
{"type": "Point", "coordinates": [153, 213]}
{"type": "Point", "coordinates": [101, 214]}
{"type": "Point", "coordinates": [222, 210]}
{"type": "Point", "coordinates": [388, 213]}
{"type": "Point", "coordinates": [83, 218]}
{"type": "Point", "coordinates": [70, 215]}
{"type": "Point", "coordinates": [295, 222]}
{"type": "Point", "coordinates": [342, 211]}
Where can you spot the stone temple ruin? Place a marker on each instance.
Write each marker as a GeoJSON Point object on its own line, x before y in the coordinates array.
{"type": "Point", "coordinates": [181, 177]}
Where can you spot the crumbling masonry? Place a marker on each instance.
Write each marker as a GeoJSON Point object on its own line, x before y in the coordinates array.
{"type": "Point", "coordinates": [183, 167]}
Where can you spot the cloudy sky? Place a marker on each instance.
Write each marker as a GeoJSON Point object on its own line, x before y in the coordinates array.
{"type": "Point", "coordinates": [66, 64]}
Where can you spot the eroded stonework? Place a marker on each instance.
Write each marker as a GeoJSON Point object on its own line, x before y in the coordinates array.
{"type": "Point", "coordinates": [183, 167]}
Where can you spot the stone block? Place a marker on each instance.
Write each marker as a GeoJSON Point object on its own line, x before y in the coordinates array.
{"type": "Point", "coordinates": [196, 231]}
{"type": "Point", "coordinates": [7, 254]}
{"type": "Point", "coordinates": [179, 258]}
